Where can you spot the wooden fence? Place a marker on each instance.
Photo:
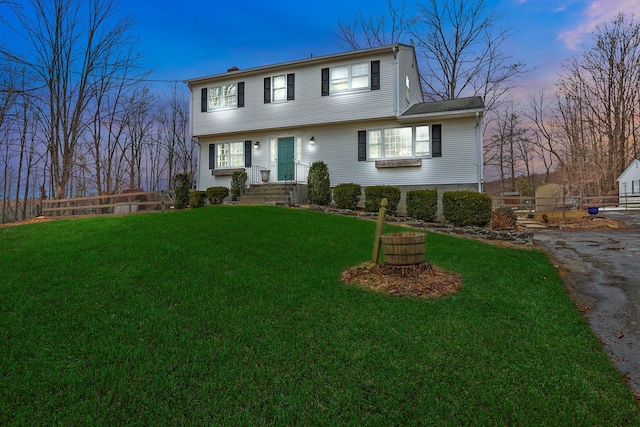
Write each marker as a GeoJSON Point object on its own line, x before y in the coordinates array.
{"type": "Point", "coordinates": [123, 203]}
{"type": "Point", "coordinates": [547, 204]}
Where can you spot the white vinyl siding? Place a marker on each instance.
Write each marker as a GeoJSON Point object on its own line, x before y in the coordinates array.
{"type": "Point", "coordinates": [408, 80]}
{"type": "Point", "coordinates": [309, 108]}
{"type": "Point", "coordinates": [336, 145]}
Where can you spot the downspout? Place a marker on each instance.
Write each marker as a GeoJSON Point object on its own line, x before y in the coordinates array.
{"type": "Point", "coordinates": [194, 138]}
{"type": "Point", "coordinates": [396, 65]}
{"type": "Point", "coordinates": [479, 152]}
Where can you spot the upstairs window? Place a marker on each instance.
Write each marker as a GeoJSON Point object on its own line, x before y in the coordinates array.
{"type": "Point", "coordinates": [223, 96]}
{"type": "Point", "coordinates": [279, 88]}
{"type": "Point", "coordinates": [350, 77]}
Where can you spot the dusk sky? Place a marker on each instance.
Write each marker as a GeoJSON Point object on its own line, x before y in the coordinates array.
{"type": "Point", "coordinates": [195, 38]}
{"type": "Point", "coordinates": [200, 37]}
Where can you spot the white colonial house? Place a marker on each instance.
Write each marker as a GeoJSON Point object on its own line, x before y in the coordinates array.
{"type": "Point", "coordinates": [361, 112]}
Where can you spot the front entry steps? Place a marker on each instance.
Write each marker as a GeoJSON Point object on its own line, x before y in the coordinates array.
{"type": "Point", "coordinates": [267, 194]}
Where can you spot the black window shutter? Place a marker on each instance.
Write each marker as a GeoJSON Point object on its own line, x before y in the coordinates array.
{"type": "Point", "coordinates": [375, 75]}
{"type": "Point", "coordinates": [436, 141]}
{"type": "Point", "coordinates": [240, 94]}
{"type": "Point", "coordinates": [267, 90]}
{"type": "Point", "coordinates": [362, 145]}
{"type": "Point", "coordinates": [247, 154]}
{"type": "Point", "coordinates": [291, 87]}
{"type": "Point", "coordinates": [325, 81]}
{"type": "Point", "coordinates": [203, 100]}
{"type": "Point", "coordinates": [212, 156]}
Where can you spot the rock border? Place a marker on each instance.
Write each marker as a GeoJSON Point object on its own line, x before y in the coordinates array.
{"type": "Point", "coordinates": [514, 236]}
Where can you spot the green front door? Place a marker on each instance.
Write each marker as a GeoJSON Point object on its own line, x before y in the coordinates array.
{"type": "Point", "coordinates": [286, 170]}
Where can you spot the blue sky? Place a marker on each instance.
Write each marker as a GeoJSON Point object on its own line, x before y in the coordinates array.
{"type": "Point", "coordinates": [194, 38]}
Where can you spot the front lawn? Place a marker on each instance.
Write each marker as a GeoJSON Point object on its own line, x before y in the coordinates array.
{"type": "Point", "coordinates": [236, 316]}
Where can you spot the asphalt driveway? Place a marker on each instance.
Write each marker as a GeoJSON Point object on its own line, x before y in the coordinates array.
{"type": "Point", "coordinates": [603, 275]}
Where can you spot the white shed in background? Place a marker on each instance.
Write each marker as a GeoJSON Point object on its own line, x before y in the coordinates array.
{"type": "Point", "coordinates": [629, 184]}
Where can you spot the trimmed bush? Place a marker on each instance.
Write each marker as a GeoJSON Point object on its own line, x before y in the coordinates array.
{"type": "Point", "coordinates": [373, 196]}
{"type": "Point", "coordinates": [217, 194]}
{"type": "Point", "coordinates": [463, 208]}
{"type": "Point", "coordinates": [238, 184]}
{"type": "Point", "coordinates": [346, 196]}
{"type": "Point", "coordinates": [422, 204]}
{"type": "Point", "coordinates": [197, 199]}
{"type": "Point", "coordinates": [319, 184]}
{"type": "Point", "coordinates": [181, 184]}
{"type": "Point", "coordinates": [503, 218]}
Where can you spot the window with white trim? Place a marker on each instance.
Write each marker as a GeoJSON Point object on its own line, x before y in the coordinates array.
{"type": "Point", "coordinates": [279, 89]}
{"type": "Point", "coordinates": [423, 141]}
{"type": "Point", "coordinates": [221, 96]}
{"type": "Point", "coordinates": [406, 88]}
{"type": "Point", "coordinates": [230, 155]}
{"type": "Point", "coordinates": [395, 143]}
{"type": "Point", "coordinates": [350, 77]}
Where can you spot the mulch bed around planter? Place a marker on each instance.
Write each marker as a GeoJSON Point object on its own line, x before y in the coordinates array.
{"type": "Point", "coordinates": [418, 281]}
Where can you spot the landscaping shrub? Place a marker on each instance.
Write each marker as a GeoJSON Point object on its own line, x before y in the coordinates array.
{"type": "Point", "coordinates": [238, 184]}
{"type": "Point", "coordinates": [319, 184]}
{"type": "Point", "coordinates": [503, 218]}
{"type": "Point", "coordinates": [181, 185]}
{"type": "Point", "coordinates": [217, 194]}
{"type": "Point", "coordinates": [346, 195]}
{"type": "Point", "coordinates": [197, 199]}
{"type": "Point", "coordinates": [422, 204]}
{"type": "Point", "coordinates": [373, 196]}
{"type": "Point", "coordinates": [463, 208]}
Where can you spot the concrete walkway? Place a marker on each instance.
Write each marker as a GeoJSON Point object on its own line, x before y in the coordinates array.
{"type": "Point", "coordinates": [603, 275]}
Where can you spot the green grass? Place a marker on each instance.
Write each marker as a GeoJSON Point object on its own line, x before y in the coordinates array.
{"type": "Point", "coordinates": [236, 316]}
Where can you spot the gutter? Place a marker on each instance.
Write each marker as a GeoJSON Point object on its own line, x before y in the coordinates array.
{"type": "Point", "coordinates": [440, 115]}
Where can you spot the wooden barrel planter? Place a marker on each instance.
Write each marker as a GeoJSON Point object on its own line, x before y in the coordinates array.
{"type": "Point", "coordinates": [403, 248]}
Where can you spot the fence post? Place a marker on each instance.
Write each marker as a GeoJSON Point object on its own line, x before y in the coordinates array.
{"type": "Point", "coordinates": [381, 217]}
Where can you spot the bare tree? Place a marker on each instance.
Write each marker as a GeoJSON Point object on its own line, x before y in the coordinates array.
{"type": "Point", "coordinates": [173, 134]}
{"type": "Point", "coordinates": [139, 126]}
{"type": "Point", "coordinates": [509, 147]}
{"type": "Point", "coordinates": [69, 41]}
{"type": "Point", "coordinates": [545, 134]}
{"type": "Point", "coordinates": [366, 32]}
{"type": "Point", "coordinates": [464, 48]}
{"type": "Point", "coordinates": [600, 106]}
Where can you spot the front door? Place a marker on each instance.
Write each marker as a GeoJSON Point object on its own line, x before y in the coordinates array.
{"type": "Point", "coordinates": [286, 171]}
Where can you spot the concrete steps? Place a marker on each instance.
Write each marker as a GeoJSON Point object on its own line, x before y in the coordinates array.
{"type": "Point", "coordinates": [267, 194]}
